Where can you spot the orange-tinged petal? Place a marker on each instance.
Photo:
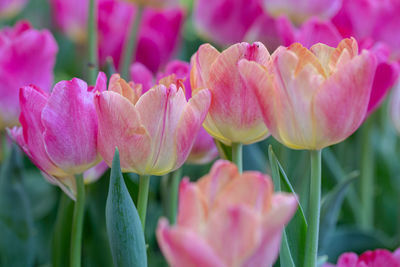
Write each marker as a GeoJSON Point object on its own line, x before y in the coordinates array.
{"type": "Point", "coordinates": [120, 86]}
{"type": "Point", "coordinates": [160, 110]}
{"type": "Point", "coordinates": [183, 248]}
{"type": "Point", "coordinates": [305, 57]}
{"type": "Point", "coordinates": [340, 106]}
{"type": "Point", "coordinates": [349, 46]}
{"type": "Point", "coordinates": [120, 126]}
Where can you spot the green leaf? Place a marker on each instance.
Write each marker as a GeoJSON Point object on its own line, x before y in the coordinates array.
{"type": "Point", "coordinates": [330, 208]}
{"type": "Point", "coordinates": [123, 223]}
{"type": "Point", "coordinates": [225, 151]}
{"type": "Point", "coordinates": [296, 230]}
{"type": "Point", "coordinates": [16, 221]}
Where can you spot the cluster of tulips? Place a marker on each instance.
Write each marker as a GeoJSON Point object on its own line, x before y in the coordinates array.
{"type": "Point", "coordinates": [151, 115]}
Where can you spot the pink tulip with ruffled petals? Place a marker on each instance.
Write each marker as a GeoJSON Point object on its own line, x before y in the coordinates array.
{"type": "Point", "coordinates": [153, 131]}
{"type": "Point", "coordinates": [27, 56]}
{"type": "Point", "coordinates": [314, 98]}
{"type": "Point", "coordinates": [59, 131]}
{"type": "Point", "coordinates": [226, 219]}
{"type": "Point", "coordinates": [234, 115]}
{"type": "Point", "coordinates": [226, 21]}
{"type": "Point", "coordinates": [300, 10]}
{"type": "Point", "coordinates": [204, 149]}
{"type": "Point", "coordinates": [376, 258]}
{"type": "Point", "coordinates": [10, 8]}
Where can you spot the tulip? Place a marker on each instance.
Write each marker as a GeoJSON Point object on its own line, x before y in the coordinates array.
{"type": "Point", "coordinates": [225, 21]}
{"type": "Point", "coordinates": [204, 149]}
{"type": "Point", "coordinates": [313, 98]}
{"type": "Point", "coordinates": [10, 8]}
{"type": "Point", "coordinates": [300, 10]}
{"type": "Point", "coordinates": [234, 115]}
{"type": "Point", "coordinates": [226, 219]}
{"type": "Point", "coordinates": [27, 56]}
{"type": "Point", "coordinates": [158, 35]}
{"type": "Point", "coordinates": [153, 131]}
{"type": "Point", "coordinates": [59, 131]}
{"type": "Point", "coordinates": [379, 257]}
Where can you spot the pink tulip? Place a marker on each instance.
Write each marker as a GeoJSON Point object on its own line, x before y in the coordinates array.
{"type": "Point", "coordinates": [10, 8]}
{"type": "Point", "coordinates": [313, 98]}
{"type": "Point", "coordinates": [234, 114]}
{"type": "Point", "coordinates": [371, 19]}
{"type": "Point", "coordinates": [226, 219]}
{"type": "Point", "coordinates": [300, 10]}
{"type": "Point", "coordinates": [376, 258]}
{"type": "Point", "coordinates": [158, 35]}
{"type": "Point", "coordinates": [26, 56]}
{"type": "Point", "coordinates": [226, 21]}
{"type": "Point", "coordinates": [59, 131]}
{"type": "Point", "coordinates": [153, 131]}
{"type": "Point", "coordinates": [204, 149]}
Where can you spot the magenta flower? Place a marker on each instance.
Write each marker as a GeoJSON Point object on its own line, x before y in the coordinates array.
{"type": "Point", "coordinates": [27, 56]}
{"type": "Point", "coordinates": [376, 258]}
{"type": "Point", "coordinates": [158, 35]}
{"type": "Point", "coordinates": [59, 131]}
{"type": "Point", "coordinates": [226, 21]}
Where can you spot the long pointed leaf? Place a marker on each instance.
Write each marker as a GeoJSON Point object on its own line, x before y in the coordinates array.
{"type": "Point", "coordinates": [123, 223]}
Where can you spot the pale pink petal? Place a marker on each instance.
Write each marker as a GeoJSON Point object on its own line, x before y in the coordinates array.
{"type": "Point", "coordinates": [141, 74]}
{"type": "Point", "coordinates": [70, 122]}
{"type": "Point", "coordinates": [190, 123]}
{"type": "Point", "coordinates": [233, 233]}
{"type": "Point", "coordinates": [348, 260]}
{"type": "Point", "coordinates": [203, 150]}
{"type": "Point", "coordinates": [119, 126]}
{"type": "Point", "coordinates": [183, 248]}
{"type": "Point", "coordinates": [95, 173]}
{"type": "Point", "coordinates": [201, 63]}
{"type": "Point", "coordinates": [340, 106]}
{"type": "Point", "coordinates": [318, 31]}
{"type": "Point", "coordinates": [160, 110]}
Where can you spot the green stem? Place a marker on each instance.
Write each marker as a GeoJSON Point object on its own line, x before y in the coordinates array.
{"type": "Point", "coordinates": [311, 249]}
{"type": "Point", "coordinates": [92, 42]}
{"type": "Point", "coordinates": [77, 223]}
{"type": "Point", "coordinates": [237, 155]}
{"type": "Point", "coordinates": [367, 177]}
{"type": "Point", "coordinates": [173, 198]}
{"type": "Point", "coordinates": [130, 44]}
{"type": "Point", "coordinates": [144, 182]}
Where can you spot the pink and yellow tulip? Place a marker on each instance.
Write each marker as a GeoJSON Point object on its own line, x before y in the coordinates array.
{"type": "Point", "coordinates": [234, 115]}
{"type": "Point", "coordinates": [59, 131]}
{"type": "Point", "coordinates": [27, 56]}
{"type": "Point", "coordinates": [153, 131]}
{"type": "Point", "coordinates": [379, 257]}
{"type": "Point", "coordinates": [313, 98]}
{"type": "Point", "coordinates": [227, 219]}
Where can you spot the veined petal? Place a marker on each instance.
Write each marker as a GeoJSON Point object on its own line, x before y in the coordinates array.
{"type": "Point", "coordinates": [120, 126]}
{"type": "Point", "coordinates": [70, 122]}
{"type": "Point", "coordinates": [341, 104]}
{"type": "Point", "coordinates": [183, 248]}
{"type": "Point", "coordinates": [190, 123]}
{"type": "Point", "coordinates": [160, 110]}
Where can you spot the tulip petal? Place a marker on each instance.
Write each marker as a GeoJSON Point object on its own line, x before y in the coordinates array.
{"type": "Point", "coordinates": [95, 173]}
{"type": "Point", "coordinates": [201, 63]}
{"type": "Point", "coordinates": [160, 110]}
{"type": "Point", "coordinates": [183, 248]}
{"type": "Point", "coordinates": [32, 101]}
{"type": "Point", "coordinates": [66, 183]}
{"type": "Point", "coordinates": [70, 123]}
{"type": "Point", "coordinates": [340, 106]}
{"type": "Point", "coordinates": [282, 209]}
{"type": "Point", "coordinates": [119, 126]}
{"type": "Point", "coordinates": [141, 74]}
{"type": "Point", "coordinates": [190, 123]}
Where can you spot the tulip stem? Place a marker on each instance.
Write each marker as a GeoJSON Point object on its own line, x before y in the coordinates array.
{"type": "Point", "coordinates": [92, 42]}
{"type": "Point", "coordinates": [144, 182]}
{"type": "Point", "coordinates": [128, 55]}
{"type": "Point", "coordinates": [367, 176]}
{"type": "Point", "coordinates": [311, 249]}
{"type": "Point", "coordinates": [77, 223]}
{"type": "Point", "coordinates": [237, 156]}
{"type": "Point", "coordinates": [171, 193]}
